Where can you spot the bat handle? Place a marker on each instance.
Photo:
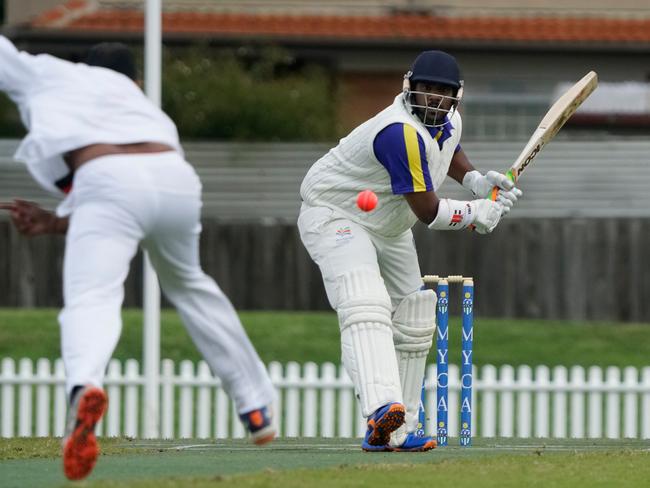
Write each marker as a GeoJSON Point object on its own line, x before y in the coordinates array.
{"type": "Point", "coordinates": [495, 190]}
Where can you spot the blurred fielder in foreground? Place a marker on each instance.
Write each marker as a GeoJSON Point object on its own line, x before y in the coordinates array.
{"type": "Point", "coordinates": [368, 260]}
{"type": "Point", "coordinates": [94, 136]}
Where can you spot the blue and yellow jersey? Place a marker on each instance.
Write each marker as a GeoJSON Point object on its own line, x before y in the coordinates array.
{"type": "Point", "coordinates": [401, 150]}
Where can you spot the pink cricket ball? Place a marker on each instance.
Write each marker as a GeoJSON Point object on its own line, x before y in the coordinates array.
{"type": "Point", "coordinates": [367, 200]}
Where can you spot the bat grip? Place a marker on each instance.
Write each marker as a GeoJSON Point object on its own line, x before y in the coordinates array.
{"type": "Point", "coordinates": [495, 190]}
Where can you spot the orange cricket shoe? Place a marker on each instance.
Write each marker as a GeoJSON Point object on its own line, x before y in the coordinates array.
{"type": "Point", "coordinates": [260, 424]}
{"type": "Point", "coordinates": [80, 448]}
{"type": "Point", "coordinates": [381, 424]}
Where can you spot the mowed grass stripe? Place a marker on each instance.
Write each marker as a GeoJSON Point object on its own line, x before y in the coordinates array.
{"type": "Point", "coordinates": [314, 336]}
{"type": "Point", "coordinates": [595, 470]}
{"type": "Point", "coordinates": [303, 462]}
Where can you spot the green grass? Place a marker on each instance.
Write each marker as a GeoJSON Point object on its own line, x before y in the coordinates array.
{"type": "Point", "coordinates": [576, 470]}
{"type": "Point", "coordinates": [328, 462]}
{"type": "Point", "coordinates": [314, 336]}
{"type": "Point", "coordinates": [50, 447]}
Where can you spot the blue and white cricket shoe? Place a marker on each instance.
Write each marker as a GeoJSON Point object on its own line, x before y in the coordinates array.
{"type": "Point", "coordinates": [381, 424]}
{"type": "Point", "coordinates": [415, 443]}
{"type": "Point", "coordinates": [259, 423]}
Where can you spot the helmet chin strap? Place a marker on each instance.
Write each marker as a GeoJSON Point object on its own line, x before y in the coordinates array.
{"type": "Point", "coordinates": [406, 84]}
{"type": "Point", "coordinates": [459, 93]}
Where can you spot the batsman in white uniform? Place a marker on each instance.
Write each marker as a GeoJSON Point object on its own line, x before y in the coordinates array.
{"type": "Point", "coordinates": [368, 260]}
{"type": "Point", "coordinates": [96, 138]}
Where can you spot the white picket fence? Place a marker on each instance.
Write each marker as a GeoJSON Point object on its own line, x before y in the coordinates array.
{"type": "Point", "coordinates": [319, 401]}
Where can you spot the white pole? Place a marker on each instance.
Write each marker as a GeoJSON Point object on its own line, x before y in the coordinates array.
{"type": "Point", "coordinates": [151, 290]}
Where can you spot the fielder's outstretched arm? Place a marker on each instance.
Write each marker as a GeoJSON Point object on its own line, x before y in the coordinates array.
{"type": "Point", "coordinates": [18, 73]}
{"type": "Point", "coordinates": [32, 220]}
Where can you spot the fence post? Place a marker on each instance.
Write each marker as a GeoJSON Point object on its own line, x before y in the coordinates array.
{"type": "Point", "coordinates": [561, 382]}
{"type": "Point", "coordinates": [60, 398]}
{"type": "Point", "coordinates": [309, 404]}
{"type": "Point", "coordinates": [292, 415]}
{"type": "Point", "coordinates": [8, 374]}
{"type": "Point", "coordinates": [488, 401]}
{"type": "Point", "coordinates": [595, 408]}
{"type": "Point", "coordinates": [204, 407]}
{"type": "Point", "coordinates": [328, 394]}
{"type": "Point", "coordinates": [577, 402]}
{"type": "Point", "coordinates": [43, 375]}
{"type": "Point", "coordinates": [275, 372]}
{"type": "Point", "coordinates": [186, 410]}
{"type": "Point", "coordinates": [507, 408]}
{"type": "Point", "coordinates": [113, 390]}
{"type": "Point", "coordinates": [238, 430]}
{"type": "Point", "coordinates": [25, 374]}
{"type": "Point", "coordinates": [167, 404]}
{"type": "Point", "coordinates": [131, 375]}
{"type": "Point", "coordinates": [524, 403]}
{"type": "Point", "coordinates": [221, 403]}
{"type": "Point", "coordinates": [630, 416]}
{"type": "Point", "coordinates": [645, 403]}
{"type": "Point", "coordinates": [613, 419]}
{"type": "Point", "coordinates": [542, 382]}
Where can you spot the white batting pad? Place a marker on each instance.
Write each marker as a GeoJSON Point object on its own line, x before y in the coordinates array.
{"type": "Point", "coordinates": [367, 348]}
{"type": "Point", "coordinates": [413, 329]}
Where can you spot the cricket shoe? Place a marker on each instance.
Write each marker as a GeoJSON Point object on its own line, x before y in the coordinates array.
{"type": "Point", "coordinates": [260, 424]}
{"type": "Point", "coordinates": [415, 443]}
{"type": "Point", "coordinates": [381, 424]}
{"type": "Point", "coordinates": [80, 448]}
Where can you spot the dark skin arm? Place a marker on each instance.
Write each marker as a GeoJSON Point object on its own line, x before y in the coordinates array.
{"type": "Point", "coordinates": [459, 166]}
{"type": "Point", "coordinates": [424, 205]}
{"type": "Point", "coordinates": [31, 220]}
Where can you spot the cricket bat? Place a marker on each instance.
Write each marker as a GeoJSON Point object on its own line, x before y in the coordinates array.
{"type": "Point", "coordinates": [550, 125]}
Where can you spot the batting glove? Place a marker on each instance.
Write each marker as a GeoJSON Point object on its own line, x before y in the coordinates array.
{"type": "Point", "coordinates": [481, 187]}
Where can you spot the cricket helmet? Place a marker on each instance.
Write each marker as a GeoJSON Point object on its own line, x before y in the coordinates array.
{"type": "Point", "coordinates": [433, 67]}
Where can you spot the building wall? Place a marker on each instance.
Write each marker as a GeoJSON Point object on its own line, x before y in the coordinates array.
{"type": "Point", "coordinates": [21, 11]}
{"type": "Point", "coordinates": [374, 7]}
{"type": "Point", "coordinates": [369, 79]}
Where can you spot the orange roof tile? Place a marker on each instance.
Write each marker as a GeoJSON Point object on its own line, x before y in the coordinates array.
{"type": "Point", "coordinates": [388, 27]}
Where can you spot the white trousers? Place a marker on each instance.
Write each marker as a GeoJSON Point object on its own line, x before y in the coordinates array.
{"type": "Point", "coordinates": [337, 245]}
{"type": "Point", "coordinates": [118, 202]}
{"type": "Point", "coordinates": [380, 372]}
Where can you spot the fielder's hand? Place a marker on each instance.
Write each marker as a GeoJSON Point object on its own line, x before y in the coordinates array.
{"type": "Point", "coordinates": [32, 220]}
{"type": "Point", "coordinates": [481, 186]}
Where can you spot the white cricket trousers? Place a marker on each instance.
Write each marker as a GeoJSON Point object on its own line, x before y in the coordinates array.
{"type": "Point", "coordinates": [117, 203]}
{"type": "Point", "coordinates": [337, 245]}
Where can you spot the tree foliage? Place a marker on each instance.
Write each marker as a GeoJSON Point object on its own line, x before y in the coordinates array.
{"type": "Point", "coordinates": [225, 96]}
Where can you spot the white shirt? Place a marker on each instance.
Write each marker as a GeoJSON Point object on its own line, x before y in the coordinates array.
{"type": "Point", "coordinates": [335, 180]}
{"type": "Point", "coordinates": [65, 106]}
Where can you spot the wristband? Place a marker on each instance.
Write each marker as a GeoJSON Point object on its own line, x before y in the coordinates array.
{"type": "Point", "coordinates": [453, 215]}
